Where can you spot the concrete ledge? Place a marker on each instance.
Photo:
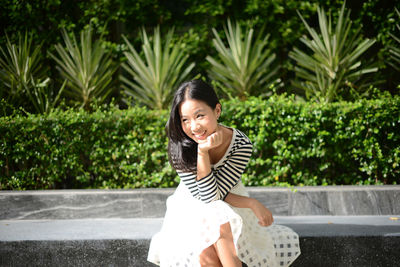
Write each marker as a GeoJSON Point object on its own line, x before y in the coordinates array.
{"type": "Point", "coordinates": [81, 229]}
{"type": "Point", "coordinates": [325, 241]}
{"type": "Point", "coordinates": [114, 227]}
{"type": "Point", "coordinates": [96, 229]}
{"type": "Point", "coordinates": [150, 203]}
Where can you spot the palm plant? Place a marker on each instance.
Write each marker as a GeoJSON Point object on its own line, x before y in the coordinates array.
{"type": "Point", "coordinates": [244, 66]}
{"type": "Point", "coordinates": [86, 66]}
{"type": "Point", "coordinates": [24, 78]}
{"type": "Point", "coordinates": [43, 96]}
{"type": "Point", "coordinates": [395, 51]}
{"type": "Point", "coordinates": [20, 66]}
{"type": "Point", "coordinates": [334, 63]}
{"type": "Point", "coordinates": [153, 79]}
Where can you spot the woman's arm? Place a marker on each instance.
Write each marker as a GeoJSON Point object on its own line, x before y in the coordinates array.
{"type": "Point", "coordinates": [205, 180]}
{"type": "Point", "coordinates": [203, 156]}
{"type": "Point", "coordinates": [203, 164]}
{"type": "Point", "coordinates": [239, 201]}
{"type": "Point", "coordinates": [263, 214]}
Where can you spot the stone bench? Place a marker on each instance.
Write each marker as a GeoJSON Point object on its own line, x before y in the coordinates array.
{"type": "Point", "coordinates": [338, 226]}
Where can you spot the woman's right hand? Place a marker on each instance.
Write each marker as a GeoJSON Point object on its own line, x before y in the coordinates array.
{"type": "Point", "coordinates": [263, 214]}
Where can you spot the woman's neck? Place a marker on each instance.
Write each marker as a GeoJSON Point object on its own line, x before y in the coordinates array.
{"type": "Point", "coordinates": [217, 153]}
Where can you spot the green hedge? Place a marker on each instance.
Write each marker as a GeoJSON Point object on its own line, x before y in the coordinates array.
{"type": "Point", "coordinates": [105, 149]}
{"type": "Point", "coordinates": [294, 144]}
{"type": "Point", "coordinates": [313, 144]}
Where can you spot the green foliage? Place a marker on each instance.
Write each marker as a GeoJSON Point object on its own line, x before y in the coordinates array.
{"type": "Point", "coordinates": [74, 149]}
{"type": "Point", "coordinates": [334, 64]}
{"type": "Point", "coordinates": [20, 66]}
{"type": "Point", "coordinates": [113, 18]}
{"type": "Point", "coordinates": [87, 68]}
{"type": "Point", "coordinates": [23, 77]}
{"type": "Point", "coordinates": [44, 97]}
{"type": "Point", "coordinates": [152, 81]}
{"type": "Point", "coordinates": [303, 143]}
{"type": "Point", "coordinates": [244, 67]}
{"type": "Point", "coordinates": [395, 50]}
{"type": "Point", "coordinates": [295, 143]}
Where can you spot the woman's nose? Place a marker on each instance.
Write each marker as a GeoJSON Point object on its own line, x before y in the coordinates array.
{"type": "Point", "coordinates": [194, 126]}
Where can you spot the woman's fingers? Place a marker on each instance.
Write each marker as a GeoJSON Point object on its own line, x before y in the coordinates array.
{"type": "Point", "coordinates": [216, 138]}
{"type": "Point", "coordinates": [266, 221]}
{"type": "Point", "coordinates": [212, 141]}
{"type": "Point", "coordinates": [263, 214]}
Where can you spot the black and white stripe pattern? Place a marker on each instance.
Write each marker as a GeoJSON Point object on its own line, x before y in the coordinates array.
{"type": "Point", "coordinates": [217, 184]}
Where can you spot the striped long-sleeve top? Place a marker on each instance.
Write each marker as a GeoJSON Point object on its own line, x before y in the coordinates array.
{"type": "Point", "coordinates": [224, 175]}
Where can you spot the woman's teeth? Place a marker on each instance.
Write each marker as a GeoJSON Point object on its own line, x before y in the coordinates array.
{"type": "Point", "coordinates": [200, 135]}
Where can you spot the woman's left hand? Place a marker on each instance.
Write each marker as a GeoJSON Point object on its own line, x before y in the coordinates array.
{"type": "Point", "coordinates": [214, 140]}
{"type": "Point", "coordinates": [263, 214]}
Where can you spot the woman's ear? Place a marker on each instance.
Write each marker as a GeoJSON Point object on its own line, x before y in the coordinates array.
{"type": "Point", "coordinates": [217, 110]}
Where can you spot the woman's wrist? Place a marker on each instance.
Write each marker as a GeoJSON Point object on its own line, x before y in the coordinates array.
{"type": "Point", "coordinates": [252, 202]}
{"type": "Point", "coordinates": [203, 164]}
{"type": "Point", "coordinates": [202, 152]}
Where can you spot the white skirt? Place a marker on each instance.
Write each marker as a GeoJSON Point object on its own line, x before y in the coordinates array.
{"type": "Point", "coordinates": [190, 226]}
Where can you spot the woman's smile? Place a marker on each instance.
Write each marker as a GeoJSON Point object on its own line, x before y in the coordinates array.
{"type": "Point", "coordinates": [201, 135]}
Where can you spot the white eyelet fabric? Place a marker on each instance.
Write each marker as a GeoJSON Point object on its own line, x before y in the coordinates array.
{"type": "Point", "coordinates": [191, 225]}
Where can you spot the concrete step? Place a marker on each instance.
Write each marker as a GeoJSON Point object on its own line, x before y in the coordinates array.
{"type": "Point", "coordinates": [324, 240]}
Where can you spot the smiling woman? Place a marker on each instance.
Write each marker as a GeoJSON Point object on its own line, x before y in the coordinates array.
{"type": "Point", "coordinates": [210, 219]}
{"type": "Point", "coordinates": [198, 119]}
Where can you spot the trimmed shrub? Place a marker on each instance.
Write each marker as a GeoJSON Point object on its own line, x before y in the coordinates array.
{"type": "Point", "coordinates": [295, 143]}
{"type": "Point", "coordinates": [316, 144]}
{"type": "Point", "coordinates": [105, 149]}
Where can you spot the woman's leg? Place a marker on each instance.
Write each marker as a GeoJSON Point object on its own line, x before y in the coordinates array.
{"type": "Point", "coordinates": [209, 258]}
{"type": "Point", "coordinates": [226, 249]}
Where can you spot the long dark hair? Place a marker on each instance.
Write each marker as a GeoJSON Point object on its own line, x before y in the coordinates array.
{"type": "Point", "coordinates": [182, 150]}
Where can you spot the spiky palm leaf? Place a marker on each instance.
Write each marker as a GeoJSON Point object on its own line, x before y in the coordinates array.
{"type": "Point", "coordinates": [244, 66]}
{"type": "Point", "coordinates": [153, 79]}
{"type": "Point", "coordinates": [43, 96]}
{"type": "Point", "coordinates": [87, 67]}
{"type": "Point", "coordinates": [335, 62]}
{"type": "Point", "coordinates": [395, 50]}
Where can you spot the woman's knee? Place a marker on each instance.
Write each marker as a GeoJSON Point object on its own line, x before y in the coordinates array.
{"type": "Point", "coordinates": [226, 231]}
{"type": "Point", "coordinates": [209, 257]}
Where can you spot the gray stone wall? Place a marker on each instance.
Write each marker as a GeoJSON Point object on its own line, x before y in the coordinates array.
{"type": "Point", "coordinates": [150, 203]}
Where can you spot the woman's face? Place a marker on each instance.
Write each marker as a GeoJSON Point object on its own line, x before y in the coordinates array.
{"type": "Point", "coordinates": [198, 119]}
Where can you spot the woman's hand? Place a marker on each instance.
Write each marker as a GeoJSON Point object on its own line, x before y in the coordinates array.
{"type": "Point", "coordinates": [212, 141]}
{"type": "Point", "coordinates": [263, 214]}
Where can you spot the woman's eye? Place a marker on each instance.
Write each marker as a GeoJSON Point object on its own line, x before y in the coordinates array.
{"type": "Point", "coordinates": [200, 116]}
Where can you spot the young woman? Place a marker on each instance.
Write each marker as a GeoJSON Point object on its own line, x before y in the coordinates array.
{"type": "Point", "coordinates": [210, 219]}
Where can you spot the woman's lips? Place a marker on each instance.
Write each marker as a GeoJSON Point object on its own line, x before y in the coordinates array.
{"type": "Point", "coordinates": [201, 136]}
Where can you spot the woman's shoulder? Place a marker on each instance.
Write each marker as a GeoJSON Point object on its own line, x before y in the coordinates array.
{"type": "Point", "coordinates": [240, 137]}
{"type": "Point", "coordinates": [241, 146]}
{"type": "Point", "coordinates": [237, 133]}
